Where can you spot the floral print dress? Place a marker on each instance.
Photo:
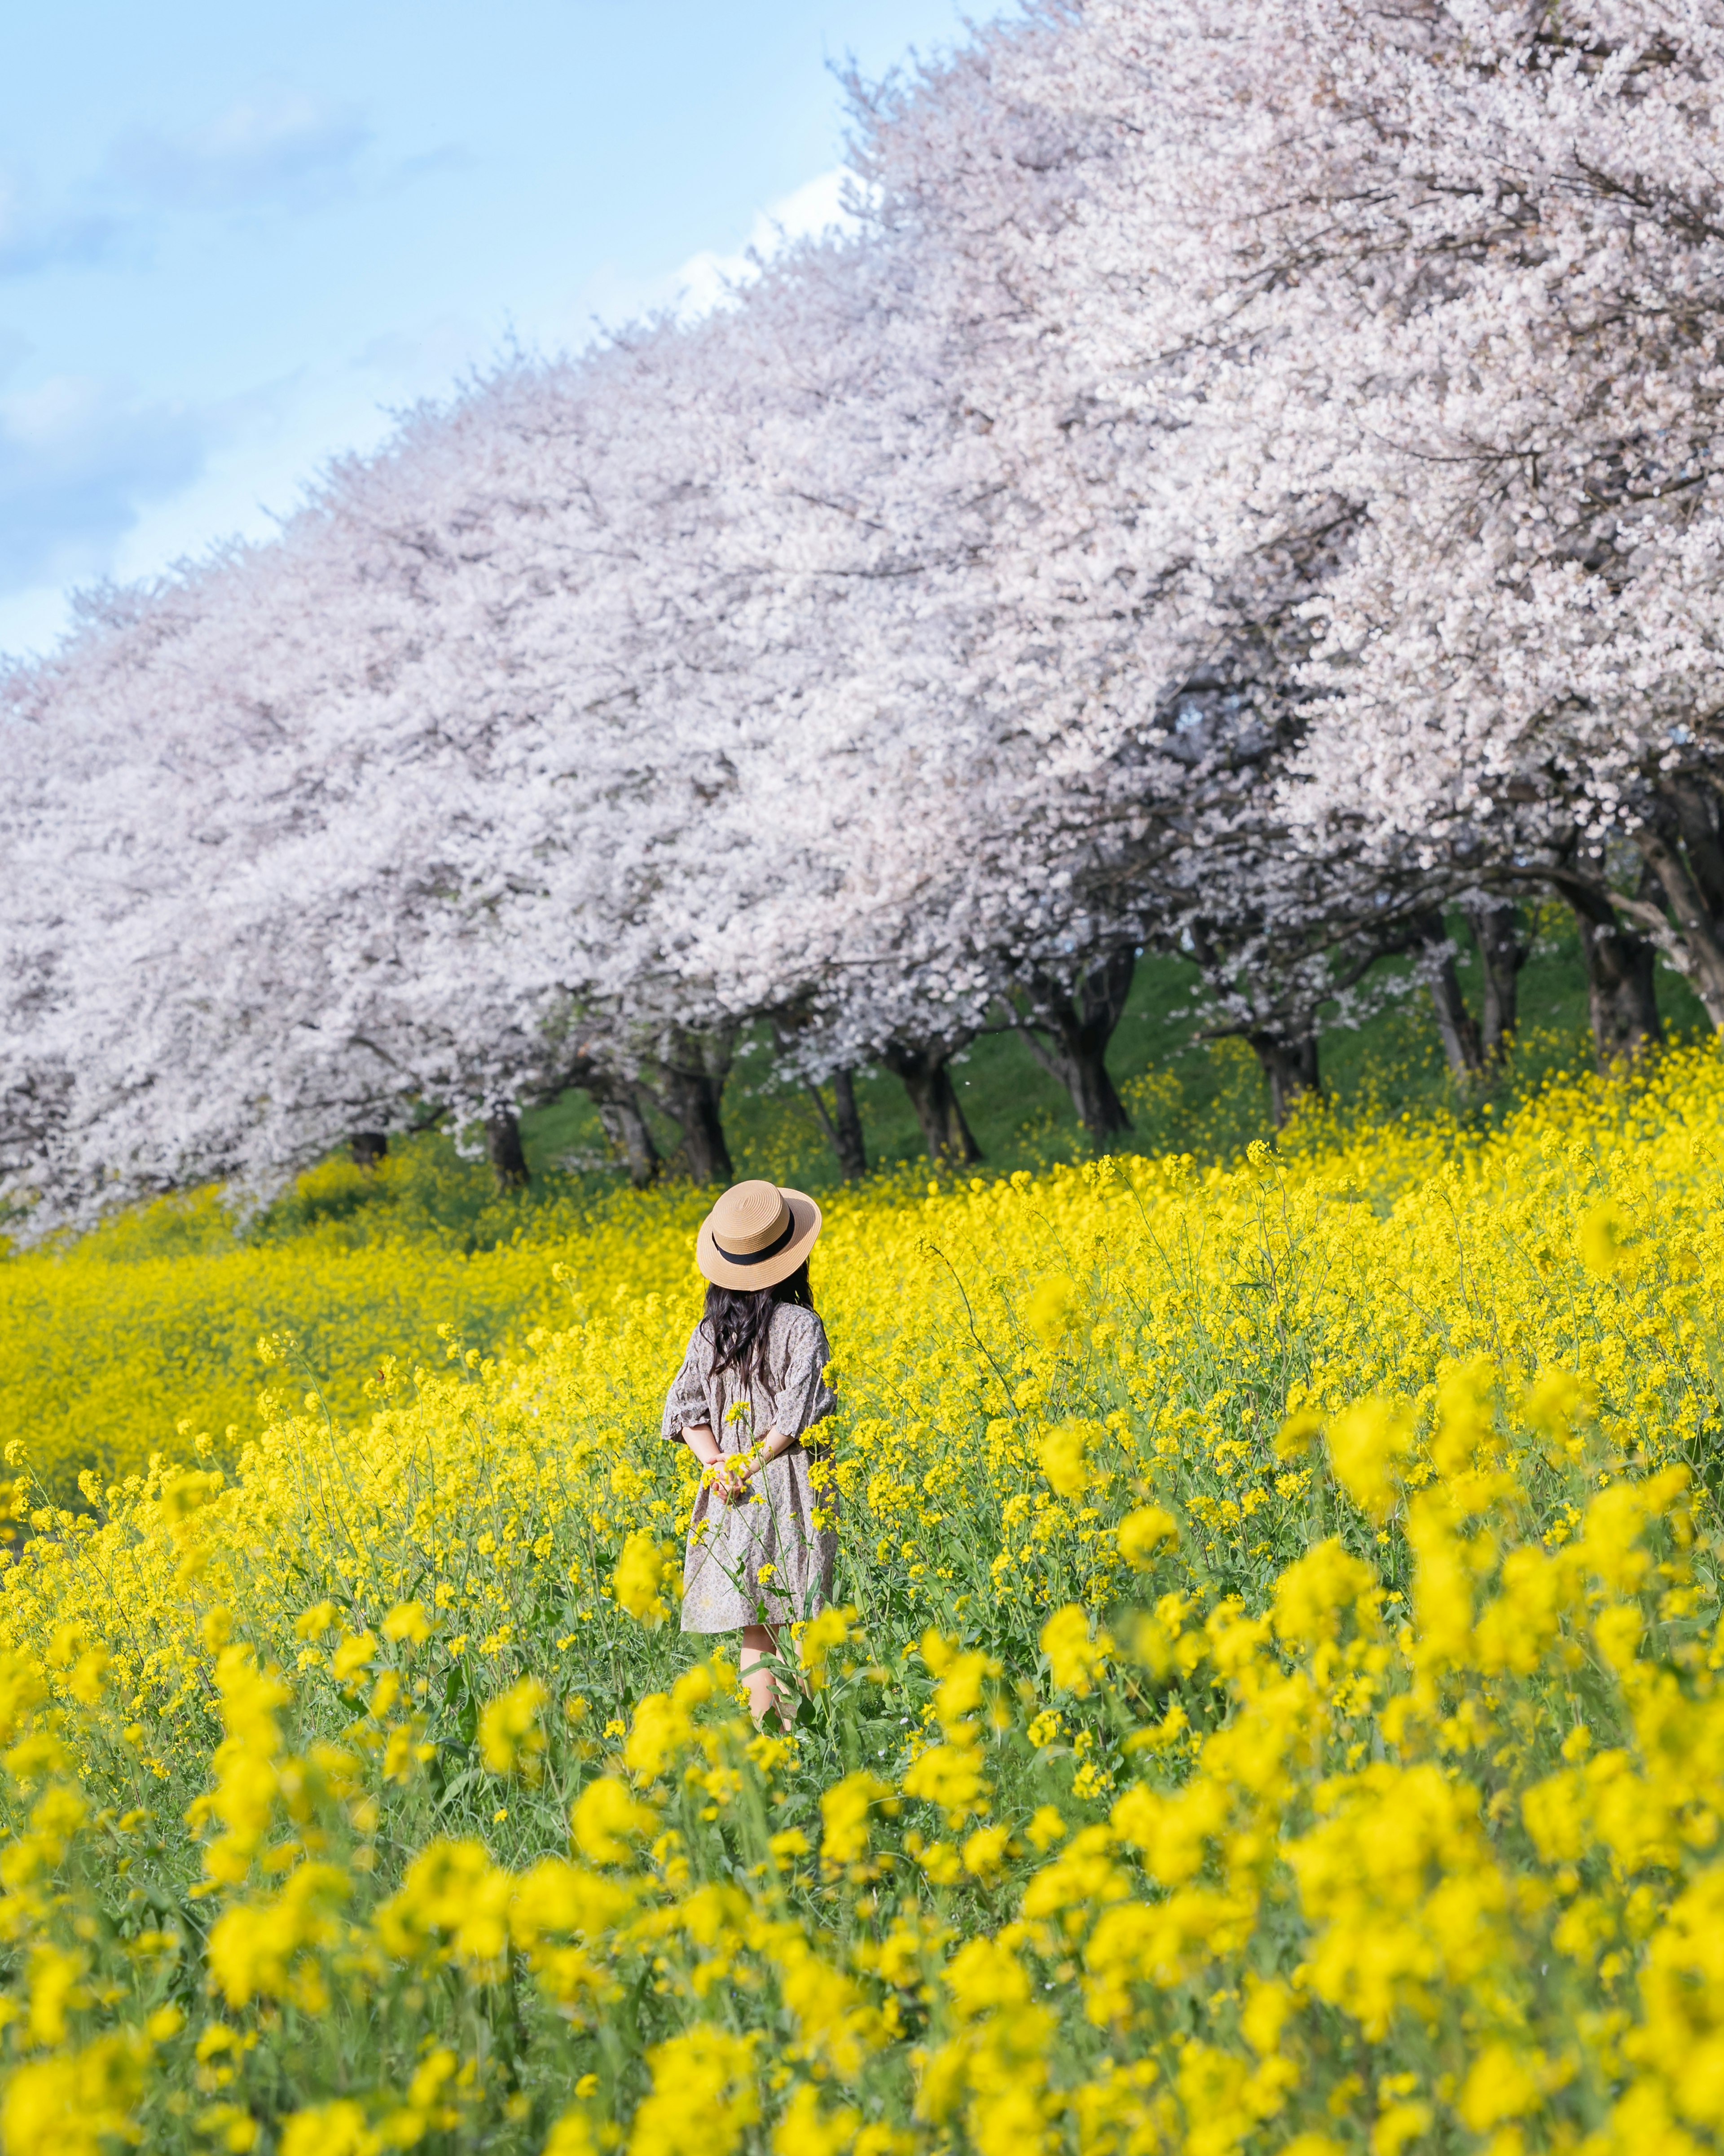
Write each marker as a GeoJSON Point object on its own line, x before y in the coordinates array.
{"type": "Point", "coordinates": [767, 1560]}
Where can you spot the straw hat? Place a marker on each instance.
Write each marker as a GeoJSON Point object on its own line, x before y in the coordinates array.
{"type": "Point", "coordinates": [757, 1236]}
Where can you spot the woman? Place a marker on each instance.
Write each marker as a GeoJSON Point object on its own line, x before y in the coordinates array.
{"type": "Point", "coordinates": [752, 1386]}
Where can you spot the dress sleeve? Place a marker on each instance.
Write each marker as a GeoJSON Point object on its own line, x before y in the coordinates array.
{"type": "Point", "coordinates": [804, 1398]}
{"type": "Point", "coordinates": [686, 1401]}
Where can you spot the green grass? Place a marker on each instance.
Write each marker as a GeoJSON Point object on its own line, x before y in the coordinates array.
{"type": "Point", "coordinates": [1187, 1094]}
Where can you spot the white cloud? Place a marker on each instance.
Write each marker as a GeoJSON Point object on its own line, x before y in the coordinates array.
{"type": "Point", "coordinates": [95, 481]}
{"type": "Point", "coordinates": [423, 361]}
{"type": "Point", "coordinates": [79, 457]}
{"type": "Point", "coordinates": [277, 145]}
{"type": "Point", "coordinates": [34, 237]}
{"type": "Point", "coordinates": [32, 621]}
{"type": "Point", "coordinates": [705, 279]}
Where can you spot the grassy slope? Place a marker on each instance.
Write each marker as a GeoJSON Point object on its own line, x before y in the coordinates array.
{"type": "Point", "coordinates": [1187, 1095]}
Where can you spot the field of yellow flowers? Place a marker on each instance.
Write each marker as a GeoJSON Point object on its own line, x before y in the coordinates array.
{"type": "Point", "coordinates": [1274, 1705]}
{"type": "Point", "coordinates": [136, 1338]}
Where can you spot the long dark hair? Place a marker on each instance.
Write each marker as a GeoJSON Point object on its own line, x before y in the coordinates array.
{"type": "Point", "coordinates": [738, 1320]}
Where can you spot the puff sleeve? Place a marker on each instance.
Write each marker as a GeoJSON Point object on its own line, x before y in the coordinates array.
{"type": "Point", "coordinates": [686, 1401]}
{"type": "Point", "coordinates": [803, 1397]}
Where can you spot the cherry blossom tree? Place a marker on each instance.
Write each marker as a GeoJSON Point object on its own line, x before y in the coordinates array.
{"type": "Point", "coordinates": [1476, 307]}
{"type": "Point", "coordinates": [1450, 353]}
{"type": "Point", "coordinates": [787, 664]}
{"type": "Point", "coordinates": [1161, 524]}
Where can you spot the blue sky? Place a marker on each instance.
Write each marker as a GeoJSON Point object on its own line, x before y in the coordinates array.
{"type": "Point", "coordinates": [232, 238]}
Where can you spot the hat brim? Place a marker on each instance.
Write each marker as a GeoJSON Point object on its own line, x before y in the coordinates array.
{"type": "Point", "coordinates": [804, 1213]}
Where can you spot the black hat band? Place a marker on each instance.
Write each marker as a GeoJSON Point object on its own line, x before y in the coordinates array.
{"type": "Point", "coordinates": [758, 1257]}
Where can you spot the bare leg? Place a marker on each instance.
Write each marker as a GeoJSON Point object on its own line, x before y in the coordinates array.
{"type": "Point", "coordinates": [764, 1693]}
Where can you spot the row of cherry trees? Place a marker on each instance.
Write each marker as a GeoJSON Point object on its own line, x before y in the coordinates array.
{"type": "Point", "coordinates": [1246, 487]}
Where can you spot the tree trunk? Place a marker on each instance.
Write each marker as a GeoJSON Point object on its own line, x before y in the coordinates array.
{"type": "Point", "coordinates": [1454, 1021]}
{"type": "Point", "coordinates": [1079, 1025]}
{"type": "Point", "coordinates": [621, 1120]}
{"type": "Point", "coordinates": [626, 1127]}
{"type": "Point", "coordinates": [852, 1147]}
{"type": "Point", "coordinates": [843, 1125]}
{"type": "Point", "coordinates": [503, 1150]}
{"type": "Point", "coordinates": [1620, 992]}
{"type": "Point", "coordinates": [1497, 930]}
{"type": "Point", "coordinates": [692, 1097]}
{"type": "Point", "coordinates": [1290, 1066]}
{"type": "Point", "coordinates": [925, 1076]}
{"type": "Point", "coordinates": [692, 1070]}
{"type": "Point", "coordinates": [366, 1149]}
{"type": "Point", "coordinates": [1696, 809]}
{"type": "Point", "coordinates": [1685, 873]}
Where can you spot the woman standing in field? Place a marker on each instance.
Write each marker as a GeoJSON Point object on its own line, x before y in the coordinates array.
{"type": "Point", "coordinates": [752, 1385]}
